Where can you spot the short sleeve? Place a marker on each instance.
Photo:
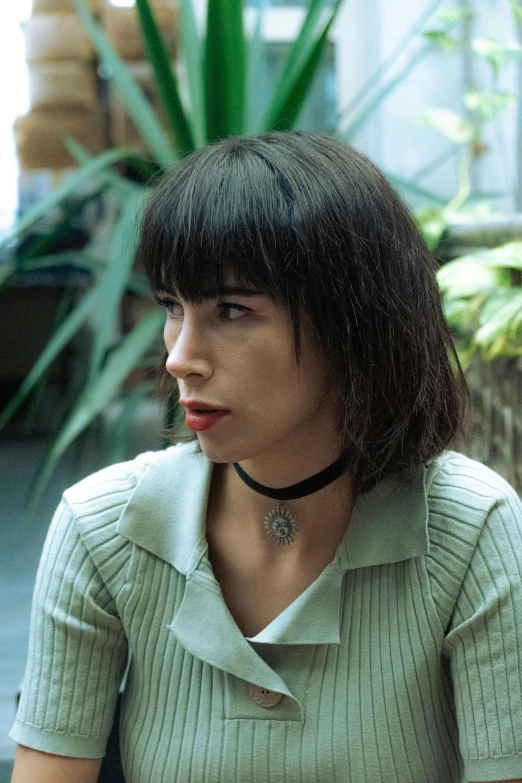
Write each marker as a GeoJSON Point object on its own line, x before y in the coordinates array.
{"type": "Point", "coordinates": [484, 643]}
{"type": "Point", "coordinates": [77, 651]}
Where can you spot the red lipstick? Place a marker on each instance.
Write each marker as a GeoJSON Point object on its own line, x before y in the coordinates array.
{"type": "Point", "coordinates": [201, 416]}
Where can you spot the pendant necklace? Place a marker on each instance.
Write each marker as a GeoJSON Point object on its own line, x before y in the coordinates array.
{"type": "Point", "coordinates": [280, 524]}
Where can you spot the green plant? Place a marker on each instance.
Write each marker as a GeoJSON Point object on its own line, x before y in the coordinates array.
{"type": "Point", "coordinates": [482, 295]}
{"type": "Point", "coordinates": [465, 130]}
{"type": "Point", "coordinates": [217, 108]}
{"type": "Point", "coordinates": [221, 67]}
{"type": "Point", "coordinates": [482, 291]}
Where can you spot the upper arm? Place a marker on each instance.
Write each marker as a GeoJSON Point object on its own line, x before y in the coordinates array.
{"type": "Point", "coordinates": [77, 651]}
{"type": "Point", "coordinates": [34, 766]}
{"type": "Point", "coordinates": [484, 643]}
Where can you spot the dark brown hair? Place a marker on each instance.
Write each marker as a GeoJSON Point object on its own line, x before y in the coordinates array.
{"type": "Point", "coordinates": [313, 223]}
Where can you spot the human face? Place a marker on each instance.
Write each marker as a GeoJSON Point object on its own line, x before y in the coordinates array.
{"type": "Point", "coordinates": [236, 352]}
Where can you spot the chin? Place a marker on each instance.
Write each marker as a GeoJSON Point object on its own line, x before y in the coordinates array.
{"type": "Point", "coordinates": [214, 453]}
{"type": "Point", "coordinates": [225, 452]}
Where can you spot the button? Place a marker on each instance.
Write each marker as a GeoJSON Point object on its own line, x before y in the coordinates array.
{"type": "Point", "coordinates": [263, 697]}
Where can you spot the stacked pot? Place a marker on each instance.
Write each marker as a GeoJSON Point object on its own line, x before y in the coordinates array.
{"type": "Point", "coordinates": [62, 88]}
{"type": "Point", "coordinates": [69, 93]}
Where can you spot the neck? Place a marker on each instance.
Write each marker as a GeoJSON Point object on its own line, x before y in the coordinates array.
{"type": "Point", "coordinates": [285, 469]}
{"type": "Point", "coordinates": [323, 516]}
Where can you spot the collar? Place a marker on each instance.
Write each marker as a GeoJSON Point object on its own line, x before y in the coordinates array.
{"type": "Point", "coordinates": [166, 516]}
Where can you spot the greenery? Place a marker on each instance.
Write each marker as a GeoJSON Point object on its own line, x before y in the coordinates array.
{"type": "Point", "coordinates": [482, 292]}
{"type": "Point", "coordinates": [215, 98]}
{"type": "Point", "coordinates": [483, 302]}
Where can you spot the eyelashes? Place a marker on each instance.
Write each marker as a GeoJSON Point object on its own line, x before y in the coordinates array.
{"type": "Point", "coordinates": [226, 308]}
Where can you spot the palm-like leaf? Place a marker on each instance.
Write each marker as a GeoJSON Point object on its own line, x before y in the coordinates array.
{"type": "Point", "coordinates": [255, 53]}
{"type": "Point", "coordinates": [73, 184]}
{"type": "Point", "coordinates": [408, 188]}
{"type": "Point", "coordinates": [137, 105]}
{"type": "Point", "coordinates": [166, 82]}
{"type": "Point", "coordinates": [81, 261]}
{"type": "Point", "coordinates": [114, 281]}
{"type": "Point", "coordinates": [386, 65]}
{"type": "Point", "coordinates": [121, 187]}
{"type": "Point", "coordinates": [191, 50]}
{"type": "Point", "coordinates": [300, 70]}
{"type": "Point", "coordinates": [97, 395]}
{"type": "Point", "coordinates": [120, 432]}
{"type": "Point", "coordinates": [363, 114]}
{"type": "Point", "coordinates": [61, 337]}
{"type": "Point", "coordinates": [224, 69]}
{"type": "Point", "coordinates": [220, 74]}
{"type": "Point", "coordinates": [301, 46]}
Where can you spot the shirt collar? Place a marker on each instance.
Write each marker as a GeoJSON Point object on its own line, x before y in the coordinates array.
{"type": "Point", "coordinates": [166, 514]}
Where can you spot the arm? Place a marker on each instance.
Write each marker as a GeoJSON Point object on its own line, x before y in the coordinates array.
{"type": "Point", "coordinates": [483, 642]}
{"type": "Point", "coordinates": [33, 766]}
{"type": "Point", "coordinates": [77, 652]}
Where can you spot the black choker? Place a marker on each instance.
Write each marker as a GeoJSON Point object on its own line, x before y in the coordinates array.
{"type": "Point", "coordinates": [280, 525]}
{"type": "Point", "coordinates": [302, 488]}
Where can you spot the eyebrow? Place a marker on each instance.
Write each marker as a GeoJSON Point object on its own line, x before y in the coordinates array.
{"type": "Point", "coordinates": [226, 291]}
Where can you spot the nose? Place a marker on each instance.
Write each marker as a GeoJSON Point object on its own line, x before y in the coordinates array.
{"type": "Point", "coordinates": [187, 351]}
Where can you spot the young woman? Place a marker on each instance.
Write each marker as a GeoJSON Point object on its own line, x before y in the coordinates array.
{"type": "Point", "coordinates": [314, 588]}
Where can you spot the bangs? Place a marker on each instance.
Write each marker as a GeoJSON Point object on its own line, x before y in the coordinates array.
{"type": "Point", "coordinates": [313, 224]}
{"type": "Point", "coordinates": [222, 217]}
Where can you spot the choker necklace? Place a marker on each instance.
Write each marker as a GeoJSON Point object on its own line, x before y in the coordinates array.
{"type": "Point", "coordinates": [280, 524]}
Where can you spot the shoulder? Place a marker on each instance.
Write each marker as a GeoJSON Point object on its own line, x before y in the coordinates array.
{"type": "Point", "coordinates": [111, 488]}
{"type": "Point", "coordinates": [98, 503]}
{"type": "Point", "coordinates": [464, 493]}
{"type": "Point", "coordinates": [470, 507]}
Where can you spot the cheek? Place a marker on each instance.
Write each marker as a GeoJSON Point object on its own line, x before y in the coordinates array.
{"type": "Point", "coordinates": [170, 334]}
{"type": "Point", "coordinates": [267, 364]}
{"type": "Point", "coordinates": [167, 337]}
{"type": "Point", "coordinates": [269, 373]}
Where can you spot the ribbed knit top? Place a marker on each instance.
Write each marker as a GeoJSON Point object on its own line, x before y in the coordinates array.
{"type": "Point", "coordinates": [401, 663]}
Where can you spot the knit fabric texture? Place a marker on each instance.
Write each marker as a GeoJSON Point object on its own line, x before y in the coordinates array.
{"type": "Point", "coordinates": [401, 663]}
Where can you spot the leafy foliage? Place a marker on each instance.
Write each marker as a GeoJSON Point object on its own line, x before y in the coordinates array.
{"type": "Point", "coordinates": [482, 295]}
{"type": "Point", "coordinates": [219, 65]}
{"type": "Point", "coordinates": [212, 92]}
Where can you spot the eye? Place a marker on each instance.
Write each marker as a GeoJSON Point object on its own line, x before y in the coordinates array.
{"type": "Point", "coordinates": [170, 306]}
{"type": "Point", "coordinates": [232, 312]}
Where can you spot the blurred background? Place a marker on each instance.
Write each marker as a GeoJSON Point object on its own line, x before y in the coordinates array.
{"type": "Point", "coordinates": [98, 98]}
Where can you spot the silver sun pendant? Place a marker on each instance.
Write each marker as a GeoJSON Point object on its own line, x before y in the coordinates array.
{"type": "Point", "coordinates": [281, 526]}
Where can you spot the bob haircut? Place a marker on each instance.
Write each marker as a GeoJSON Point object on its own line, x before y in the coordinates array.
{"type": "Point", "coordinates": [313, 223]}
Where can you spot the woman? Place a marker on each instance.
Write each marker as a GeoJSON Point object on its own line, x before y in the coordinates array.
{"type": "Point", "coordinates": [314, 589]}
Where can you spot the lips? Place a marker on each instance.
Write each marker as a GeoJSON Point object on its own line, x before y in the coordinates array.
{"type": "Point", "coordinates": [204, 421]}
{"type": "Point", "coordinates": [202, 407]}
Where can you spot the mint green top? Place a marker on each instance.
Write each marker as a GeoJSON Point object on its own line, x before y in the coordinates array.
{"type": "Point", "coordinates": [401, 663]}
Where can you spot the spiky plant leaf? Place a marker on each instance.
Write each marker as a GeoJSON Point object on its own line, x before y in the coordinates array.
{"type": "Point", "coordinates": [166, 82]}
{"type": "Point", "coordinates": [139, 108]}
{"type": "Point", "coordinates": [61, 337]}
{"type": "Point", "coordinates": [72, 185]}
{"type": "Point", "coordinates": [114, 281]}
{"type": "Point", "coordinates": [192, 57]}
{"type": "Point", "coordinates": [96, 396]}
{"type": "Point", "coordinates": [305, 56]}
{"type": "Point", "coordinates": [224, 69]}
